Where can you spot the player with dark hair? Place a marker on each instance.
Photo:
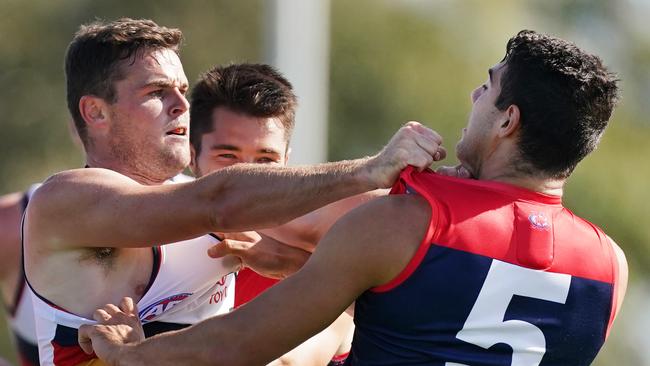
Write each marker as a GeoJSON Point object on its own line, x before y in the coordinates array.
{"type": "Point", "coordinates": [448, 271]}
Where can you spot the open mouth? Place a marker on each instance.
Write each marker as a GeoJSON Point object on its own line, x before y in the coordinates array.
{"type": "Point", "coordinates": [179, 131]}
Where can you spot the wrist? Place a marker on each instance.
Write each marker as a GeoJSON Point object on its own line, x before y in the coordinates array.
{"type": "Point", "coordinates": [128, 355]}
{"type": "Point", "coordinates": [363, 173]}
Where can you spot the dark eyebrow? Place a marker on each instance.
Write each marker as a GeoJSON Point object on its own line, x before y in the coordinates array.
{"type": "Point", "coordinates": [268, 151]}
{"type": "Point", "coordinates": [490, 73]}
{"type": "Point", "coordinates": [163, 84]}
{"type": "Point", "coordinates": [225, 147]}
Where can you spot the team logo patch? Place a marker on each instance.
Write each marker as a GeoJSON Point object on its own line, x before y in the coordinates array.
{"type": "Point", "coordinates": [539, 221]}
{"type": "Point", "coordinates": [152, 311]}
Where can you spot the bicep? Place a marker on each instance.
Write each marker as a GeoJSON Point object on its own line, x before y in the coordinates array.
{"type": "Point", "coordinates": [101, 208]}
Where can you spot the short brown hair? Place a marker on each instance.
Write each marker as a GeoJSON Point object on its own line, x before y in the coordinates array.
{"type": "Point", "coordinates": [93, 58]}
{"type": "Point", "coordinates": [253, 89]}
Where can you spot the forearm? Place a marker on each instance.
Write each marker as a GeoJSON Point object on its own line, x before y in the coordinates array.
{"type": "Point", "coordinates": [188, 346]}
{"type": "Point", "coordinates": [253, 197]}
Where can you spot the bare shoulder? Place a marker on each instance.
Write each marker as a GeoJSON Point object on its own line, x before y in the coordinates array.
{"type": "Point", "coordinates": [68, 198]}
{"type": "Point", "coordinates": [396, 213]}
{"type": "Point", "coordinates": [385, 232]}
{"type": "Point", "coordinates": [74, 185]}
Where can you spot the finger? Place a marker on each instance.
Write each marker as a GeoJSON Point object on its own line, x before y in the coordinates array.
{"type": "Point", "coordinates": [248, 236]}
{"type": "Point", "coordinates": [111, 309]}
{"type": "Point", "coordinates": [429, 142]}
{"type": "Point", "coordinates": [101, 316]}
{"type": "Point", "coordinates": [127, 306]}
{"type": "Point", "coordinates": [450, 171]}
{"type": "Point", "coordinates": [463, 172]}
{"type": "Point", "coordinates": [83, 337]}
{"type": "Point", "coordinates": [229, 246]}
{"type": "Point", "coordinates": [242, 236]}
{"type": "Point", "coordinates": [422, 162]}
{"type": "Point", "coordinates": [425, 131]}
{"type": "Point", "coordinates": [440, 154]}
{"type": "Point", "coordinates": [457, 171]}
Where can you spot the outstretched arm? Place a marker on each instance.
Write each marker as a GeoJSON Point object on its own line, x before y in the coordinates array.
{"type": "Point", "coordinates": [118, 212]}
{"type": "Point", "coordinates": [366, 248]}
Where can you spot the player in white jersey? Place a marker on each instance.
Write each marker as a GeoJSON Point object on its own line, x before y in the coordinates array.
{"type": "Point", "coordinates": [88, 233]}
{"type": "Point", "coordinates": [185, 287]}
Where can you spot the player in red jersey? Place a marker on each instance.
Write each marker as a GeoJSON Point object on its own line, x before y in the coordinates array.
{"type": "Point", "coordinates": [445, 271]}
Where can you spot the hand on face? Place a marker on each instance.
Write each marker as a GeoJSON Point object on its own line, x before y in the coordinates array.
{"type": "Point", "coordinates": [117, 327]}
{"type": "Point", "coordinates": [413, 144]}
{"type": "Point", "coordinates": [261, 253]}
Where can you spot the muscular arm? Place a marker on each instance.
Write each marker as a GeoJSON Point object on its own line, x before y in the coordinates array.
{"type": "Point", "coordinates": [368, 247]}
{"type": "Point", "coordinates": [98, 207]}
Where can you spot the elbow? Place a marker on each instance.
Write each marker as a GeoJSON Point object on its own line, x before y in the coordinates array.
{"type": "Point", "coordinates": [285, 360]}
{"type": "Point", "coordinates": [218, 218]}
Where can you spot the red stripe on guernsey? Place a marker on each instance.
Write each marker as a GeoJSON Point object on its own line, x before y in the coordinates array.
{"type": "Point", "coordinates": [507, 223]}
{"type": "Point", "coordinates": [70, 355]}
{"type": "Point", "coordinates": [340, 358]}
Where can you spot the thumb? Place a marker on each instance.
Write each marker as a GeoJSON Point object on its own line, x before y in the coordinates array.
{"type": "Point", "coordinates": [229, 246]}
{"type": "Point", "coordinates": [83, 338]}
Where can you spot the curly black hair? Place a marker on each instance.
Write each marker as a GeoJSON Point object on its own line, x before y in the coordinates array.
{"type": "Point", "coordinates": [565, 97]}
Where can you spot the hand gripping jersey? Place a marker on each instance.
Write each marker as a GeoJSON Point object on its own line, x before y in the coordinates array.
{"type": "Point", "coordinates": [504, 276]}
{"type": "Point", "coordinates": [186, 287]}
{"type": "Point", "coordinates": [21, 315]}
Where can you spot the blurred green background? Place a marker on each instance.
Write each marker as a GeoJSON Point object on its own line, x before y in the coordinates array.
{"type": "Point", "coordinates": [390, 62]}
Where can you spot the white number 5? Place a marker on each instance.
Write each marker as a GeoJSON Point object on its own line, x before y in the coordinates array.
{"type": "Point", "coordinates": [485, 326]}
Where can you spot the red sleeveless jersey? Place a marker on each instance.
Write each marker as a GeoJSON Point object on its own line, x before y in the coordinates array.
{"type": "Point", "coordinates": [503, 276]}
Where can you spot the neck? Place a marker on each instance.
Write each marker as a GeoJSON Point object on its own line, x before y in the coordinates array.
{"type": "Point", "coordinates": [129, 171]}
{"type": "Point", "coordinates": [516, 172]}
{"type": "Point", "coordinates": [552, 187]}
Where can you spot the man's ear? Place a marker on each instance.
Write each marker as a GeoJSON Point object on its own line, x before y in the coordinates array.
{"type": "Point", "coordinates": [512, 123]}
{"type": "Point", "coordinates": [94, 111]}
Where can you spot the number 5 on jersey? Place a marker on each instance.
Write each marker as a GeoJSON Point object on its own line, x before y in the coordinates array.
{"type": "Point", "coordinates": [485, 326]}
